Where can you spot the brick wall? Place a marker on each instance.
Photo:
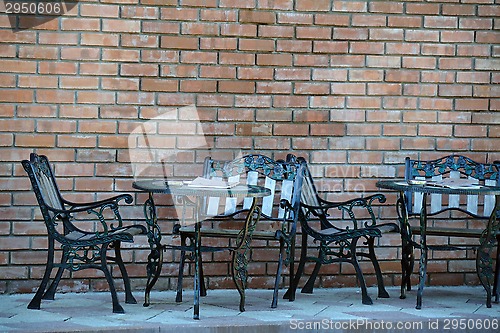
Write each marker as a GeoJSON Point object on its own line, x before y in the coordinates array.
{"type": "Point", "coordinates": [353, 86]}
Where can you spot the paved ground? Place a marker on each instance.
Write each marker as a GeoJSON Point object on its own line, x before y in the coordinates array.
{"type": "Point", "coordinates": [445, 309]}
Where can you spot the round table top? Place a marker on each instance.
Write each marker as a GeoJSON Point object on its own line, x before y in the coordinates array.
{"type": "Point", "coordinates": [179, 188]}
{"type": "Point", "coordinates": [429, 187]}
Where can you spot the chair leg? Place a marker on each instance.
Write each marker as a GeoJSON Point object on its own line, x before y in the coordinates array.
{"type": "Point", "coordinates": [117, 308]}
{"type": "Point", "coordinates": [496, 290]}
{"type": "Point", "coordinates": [182, 259]}
{"type": "Point", "coordinates": [364, 292]}
{"type": "Point", "coordinates": [290, 293]}
{"type": "Point", "coordinates": [382, 293]}
{"type": "Point", "coordinates": [309, 286]}
{"type": "Point", "coordinates": [274, 303]}
{"type": "Point", "coordinates": [51, 291]}
{"type": "Point", "coordinates": [129, 298]}
{"type": "Point", "coordinates": [203, 287]}
{"type": "Point", "coordinates": [37, 299]}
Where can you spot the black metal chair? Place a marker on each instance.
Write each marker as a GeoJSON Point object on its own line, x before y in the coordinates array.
{"type": "Point", "coordinates": [80, 249]}
{"type": "Point", "coordinates": [278, 214]}
{"type": "Point", "coordinates": [473, 207]}
{"type": "Point", "coordinates": [338, 236]}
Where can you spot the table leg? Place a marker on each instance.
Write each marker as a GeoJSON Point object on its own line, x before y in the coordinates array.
{"type": "Point", "coordinates": [484, 263]}
{"type": "Point", "coordinates": [155, 258]}
{"type": "Point", "coordinates": [197, 258]}
{"type": "Point", "coordinates": [241, 252]}
{"type": "Point", "coordinates": [423, 251]}
{"type": "Point", "coordinates": [407, 258]}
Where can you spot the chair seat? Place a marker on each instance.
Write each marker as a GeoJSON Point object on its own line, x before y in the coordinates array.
{"type": "Point", "coordinates": [229, 233]}
{"type": "Point", "coordinates": [86, 236]}
{"type": "Point", "coordinates": [454, 232]}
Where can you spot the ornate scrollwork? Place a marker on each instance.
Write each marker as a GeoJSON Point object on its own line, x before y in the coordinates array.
{"type": "Point", "coordinates": [453, 163]}
{"type": "Point", "coordinates": [81, 256]}
{"type": "Point", "coordinates": [242, 252]}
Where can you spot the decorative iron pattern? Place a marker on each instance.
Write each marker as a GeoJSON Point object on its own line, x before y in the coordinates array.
{"type": "Point", "coordinates": [155, 257]}
{"type": "Point", "coordinates": [242, 252]}
{"type": "Point", "coordinates": [80, 257]}
{"type": "Point", "coordinates": [488, 242]}
{"type": "Point", "coordinates": [276, 170]}
{"type": "Point", "coordinates": [459, 163]}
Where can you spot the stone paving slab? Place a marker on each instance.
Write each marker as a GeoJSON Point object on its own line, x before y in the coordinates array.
{"type": "Point", "coordinates": [445, 309]}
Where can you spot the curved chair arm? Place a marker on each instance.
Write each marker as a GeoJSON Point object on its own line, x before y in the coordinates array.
{"type": "Point", "coordinates": [82, 206]}
{"type": "Point", "coordinates": [347, 207]}
{"type": "Point", "coordinates": [97, 208]}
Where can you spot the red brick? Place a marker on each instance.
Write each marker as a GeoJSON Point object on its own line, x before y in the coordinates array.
{"type": "Point", "coordinates": [218, 15]}
{"type": "Point", "coordinates": [236, 59]}
{"type": "Point", "coordinates": [419, 63]}
{"type": "Point", "coordinates": [348, 88]}
{"type": "Point", "coordinates": [161, 27]}
{"type": "Point", "coordinates": [294, 46]}
{"type": "Point", "coordinates": [260, 17]}
{"type": "Point", "coordinates": [242, 87]}
{"type": "Point", "coordinates": [274, 88]}
{"type": "Point", "coordinates": [39, 52]}
{"type": "Point", "coordinates": [475, 23]}
{"type": "Point", "coordinates": [290, 101]}
{"type": "Point", "coordinates": [311, 88]}
{"type": "Point", "coordinates": [363, 102]}
{"type": "Point", "coordinates": [321, 74]}
{"type": "Point", "coordinates": [99, 10]}
{"type": "Point", "coordinates": [216, 43]}
{"type": "Point", "coordinates": [350, 6]}
{"type": "Point", "coordinates": [381, 61]}
{"type": "Point", "coordinates": [366, 48]}
{"type": "Point", "coordinates": [311, 60]}
{"type": "Point", "coordinates": [198, 86]}
{"type": "Point", "coordinates": [419, 8]}
{"type": "Point", "coordinates": [251, 73]}
{"type": "Point", "coordinates": [274, 59]}
{"type": "Point", "coordinates": [98, 68]}
{"type": "Point", "coordinates": [35, 140]}
{"type": "Point", "coordinates": [94, 97]}
{"type": "Point", "coordinates": [471, 104]}
{"type": "Point", "coordinates": [256, 45]}
{"type": "Point", "coordinates": [404, 21]}
{"type": "Point", "coordinates": [177, 42]}
{"type": "Point", "coordinates": [240, 30]}
{"type": "Point", "coordinates": [79, 82]}
{"type": "Point", "coordinates": [295, 18]}
{"type": "Point", "coordinates": [455, 63]}
{"type": "Point", "coordinates": [291, 129]}
{"type": "Point", "coordinates": [140, 41]}
{"type": "Point", "coordinates": [55, 96]}
{"type": "Point", "coordinates": [421, 36]}
{"type": "Point", "coordinates": [78, 24]}
{"type": "Point", "coordinates": [43, 81]}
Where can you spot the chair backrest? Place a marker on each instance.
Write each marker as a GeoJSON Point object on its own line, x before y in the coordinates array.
{"type": "Point", "coordinates": [453, 166]}
{"type": "Point", "coordinates": [45, 188]}
{"type": "Point", "coordinates": [283, 178]}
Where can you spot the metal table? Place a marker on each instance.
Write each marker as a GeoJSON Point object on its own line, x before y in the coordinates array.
{"type": "Point", "coordinates": [185, 193]}
{"type": "Point", "coordinates": [487, 240]}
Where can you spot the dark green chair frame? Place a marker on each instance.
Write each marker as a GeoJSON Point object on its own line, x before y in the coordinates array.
{"type": "Point", "coordinates": [80, 249]}
{"type": "Point", "coordinates": [338, 243]}
{"type": "Point", "coordinates": [422, 169]}
{"type": "Point", "coordinates": [279, 171]}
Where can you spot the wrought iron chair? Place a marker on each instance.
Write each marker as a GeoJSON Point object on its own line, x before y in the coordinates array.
{"type": "Point", "coordinates": [473, 207]}
{"type": "Point", "coordinates": [277, 217]}
{"type": "Point", "coordinates": [80, 249]}
{"type": "Point", "coordinates": [338, 236]}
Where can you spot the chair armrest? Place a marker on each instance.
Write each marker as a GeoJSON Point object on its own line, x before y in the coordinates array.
{"type": "Point", "coordinates": [83, 206]}
{"type": "Point", "coordinates": [347, 207]}
{"type": "Point", "coordinates": [97, 208]}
